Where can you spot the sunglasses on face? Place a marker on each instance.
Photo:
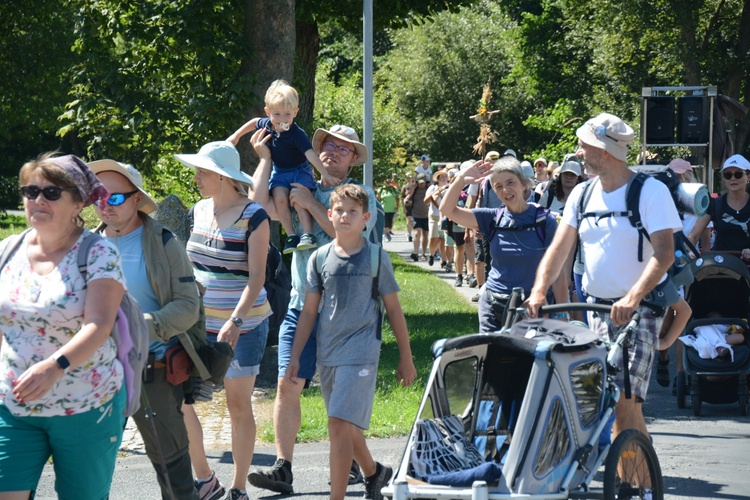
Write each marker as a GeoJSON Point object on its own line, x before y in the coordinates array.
{"type": "Point", "coordinates": [330, 147]}
{"type": "Point", "coordinates": [50, 193]}
{"type": "Point", "coordinates": [115, 199]}
{"type": "Point", "coordinates": [737, 174]}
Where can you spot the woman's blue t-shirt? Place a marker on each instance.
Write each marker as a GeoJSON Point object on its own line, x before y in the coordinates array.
{"type": "Point", "coordinates": [515, 253]}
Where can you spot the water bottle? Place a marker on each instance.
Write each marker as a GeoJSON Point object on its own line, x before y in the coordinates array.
{"type": "Point", "coordinates": [680, 259]}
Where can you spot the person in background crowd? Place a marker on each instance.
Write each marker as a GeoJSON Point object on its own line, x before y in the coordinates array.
{"type": "Point", "coordinates": [420, 213]}
{"type": "Point", "coordinates": [160, 277]}
{"type": "Point", "coordinates": [229, 261]}
{"type": "Point", "coordinates": [406, 202]}
{"type": "Point", "coordinates": [61, 384]}
{"type": "Point", "coordinates": [389, 198]}
{"type": "Point", "coordinates": [425, 168]}
{"type": "Point", "coordinates": [540, 170]}
{"type": "Point", "coordinates": [432, 198]}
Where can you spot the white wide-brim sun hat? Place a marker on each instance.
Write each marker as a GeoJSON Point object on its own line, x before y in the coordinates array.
{"type": "Point", "coordinates": [220, 157]}
{"type": "Point", "coordinates": [147, 204]}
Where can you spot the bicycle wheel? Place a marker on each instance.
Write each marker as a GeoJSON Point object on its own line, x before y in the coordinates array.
{"type": "Point", "coordinates": [632, 469]}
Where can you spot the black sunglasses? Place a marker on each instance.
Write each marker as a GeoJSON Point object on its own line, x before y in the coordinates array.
{"type": "Point", "coordinates": [737, 174]}
{"type": "Point", "coordinates": [115, 199]}
{"type": "Point", "coordinates": [51, 193]}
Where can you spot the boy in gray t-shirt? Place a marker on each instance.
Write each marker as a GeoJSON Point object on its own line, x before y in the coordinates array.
{"type": "Point", "coordinates": [348, 340]}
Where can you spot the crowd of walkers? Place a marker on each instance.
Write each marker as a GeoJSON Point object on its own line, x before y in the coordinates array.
{"type": "Point", "coordinates": [506, 227]}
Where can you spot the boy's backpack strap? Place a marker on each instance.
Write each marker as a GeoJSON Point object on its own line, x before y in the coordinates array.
{"type": "Point", "coordinates": [13, 242]}
{"type": "Point", "coordinates": [375, 257]}
{"type": "Point", "coordinates": [319, 257]}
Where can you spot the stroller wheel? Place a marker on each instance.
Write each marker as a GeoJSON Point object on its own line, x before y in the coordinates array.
{"type": "Point", "coordinates": [682, 390]}
{"type": "Point", "coordinates": [695, 393]}
{"type": "Point", "coordinates": [632, 469]}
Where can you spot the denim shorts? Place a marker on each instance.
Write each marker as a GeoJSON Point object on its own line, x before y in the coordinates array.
{"type": "Point", "coordinates": [83, 447]}
{"type": "Point", "coordinates": [309, 356]}
{"type": "Point", "coordinates": [248, 352]}
{"type": "Point", "coordinates": [284, 177]}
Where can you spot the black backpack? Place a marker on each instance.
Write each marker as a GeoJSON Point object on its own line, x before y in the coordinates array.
{"type": "Point", "coordinates": [539, 226]}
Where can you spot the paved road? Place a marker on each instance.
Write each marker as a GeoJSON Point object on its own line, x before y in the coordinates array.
{"type": "Point", "coordinates": [701, 458]}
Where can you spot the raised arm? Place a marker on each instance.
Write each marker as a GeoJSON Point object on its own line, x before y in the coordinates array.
{"type": "Point", "coordinates": [247, 127]}
{"type": "Point", "coordinates": [449, 206]}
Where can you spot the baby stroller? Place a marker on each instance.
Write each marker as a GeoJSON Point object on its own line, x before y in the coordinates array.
{"type": "Point", "coordinates": [722, 284]}
{"type": "Point", "coordinates": [524, 412]}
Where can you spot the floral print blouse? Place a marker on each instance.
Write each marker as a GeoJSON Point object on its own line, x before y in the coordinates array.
{"type": "Point", "coordinates": [39, 314]}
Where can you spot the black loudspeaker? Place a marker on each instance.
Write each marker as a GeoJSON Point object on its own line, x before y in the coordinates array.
{"type": "Point", "coordinates": [660, 120]}
{"type": "Point", "coordinates": [692, 120]}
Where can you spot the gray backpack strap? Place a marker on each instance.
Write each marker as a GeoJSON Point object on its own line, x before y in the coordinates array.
{"type": "Point", "coordinates": [12, 243]}
{"type": "Point", "coordinates": [83, 253]}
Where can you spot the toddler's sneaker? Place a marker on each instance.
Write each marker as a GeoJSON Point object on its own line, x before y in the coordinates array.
{"type": "Point", "coordinates": [278, 478]}
{"type": "Point", "coordinates": [375, 483]}
{"type": "Point", "coordinates": [476, 297]}
{"type": "Point", "coordinates": [209, 490]}
{"type": "Point", "coordinates": [307, 241]}
{"type": "Point", "coordinates": [291, 243]}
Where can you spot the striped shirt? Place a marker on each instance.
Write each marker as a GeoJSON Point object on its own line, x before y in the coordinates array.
{"type": "Point", "coordinates": [219, 258]}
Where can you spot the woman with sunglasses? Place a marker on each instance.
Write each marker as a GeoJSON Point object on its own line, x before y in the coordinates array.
{"type": "Point", "coordinates": [60, 381]}
{"type": "Point", "coordinates": [228, 247]}
{"type": "Point", "coordinates": [730, 213]}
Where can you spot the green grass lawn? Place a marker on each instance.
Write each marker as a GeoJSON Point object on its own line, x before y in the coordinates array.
{"type": "Point", "coordinates": [433, 310]}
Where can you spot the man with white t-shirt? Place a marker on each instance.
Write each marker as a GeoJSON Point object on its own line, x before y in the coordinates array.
{"type": "Point", "coordinates": [613, 272]}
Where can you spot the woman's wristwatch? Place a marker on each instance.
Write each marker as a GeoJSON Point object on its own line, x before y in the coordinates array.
{"type": "Point", "coordinates": [62, 362]}
{"type": "Point", "coordinates": [237, 321]}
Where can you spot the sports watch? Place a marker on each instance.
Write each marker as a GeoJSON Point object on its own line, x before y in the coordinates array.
{"type": "Point", "coordinates": [237, 321]}
{"type": "Point", "coordinates": [61, 361]}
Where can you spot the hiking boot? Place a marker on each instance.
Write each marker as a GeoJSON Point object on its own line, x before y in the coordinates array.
{"type": "Point", "coordinates": [472, 281]}
{"type": "Point", "coordinates": [236, 494]}
{"type": "Point", "coordinates": [355, 474]}
{"type": "Point", "coordinates": [431, 260]}
{"type": "Point", "coordinates": [375, 483]}
{"type": "Point", "coordinates": [414, 257]}
{"type": "Point", "coordinates": [278, 478]}
{"type": "Point", "coordinates": [662, 372]}
{"type": "Point", "coordinates": [475, 298]}
{"type": "Point", "coordinates": [209, 490]}
{"type": "Point", "coordinates": [306, 242]}
{"type": "Point", "coordinates": [290, 245]}
{"type": "Point", "coordinates": [459, 281]}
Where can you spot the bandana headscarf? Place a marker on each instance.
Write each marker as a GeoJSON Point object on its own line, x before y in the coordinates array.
{"type": "Point", "coordinates": [88, 185]}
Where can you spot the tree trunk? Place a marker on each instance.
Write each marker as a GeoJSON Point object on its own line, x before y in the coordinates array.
{"type": "Point", "coordinates": [269, 32]}
{"type": "Point", "coordinates": [308, 45]}
{"type": "Point", "coordinates": [737, 74]}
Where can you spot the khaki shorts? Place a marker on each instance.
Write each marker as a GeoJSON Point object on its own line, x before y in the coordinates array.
{"type": "Point", "coordinates": [435, 231]}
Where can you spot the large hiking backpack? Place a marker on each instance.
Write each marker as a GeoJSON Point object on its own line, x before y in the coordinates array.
{"type": "Point", "coordinates": [130, 332]}
{"type": "Point", "coordinates": [680, 273]}
{"type": "Point", "coordinates": [320, 256]}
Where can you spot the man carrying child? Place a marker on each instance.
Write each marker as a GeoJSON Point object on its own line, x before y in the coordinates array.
{"type": "Point", "coordinates": [349, 337]}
